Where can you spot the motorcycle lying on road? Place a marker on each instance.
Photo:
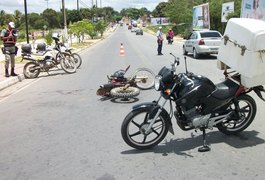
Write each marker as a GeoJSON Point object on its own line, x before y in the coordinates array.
{"type": "Point", "coordinates": [120, 86]}
{"type": "Point", "coordinates": [199, 104]}
{"type": "Point", "coordinates": [44, 60]}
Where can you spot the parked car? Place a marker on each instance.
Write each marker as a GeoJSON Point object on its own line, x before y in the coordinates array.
{"type": "Point", "coordinates": [134, 29]}
{"type": "Point", "coordinates": [202, 42]}
{"type": "Point", "coordinates": [139, 32]}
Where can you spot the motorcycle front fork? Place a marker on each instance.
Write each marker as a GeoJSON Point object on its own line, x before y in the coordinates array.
{"type": "Point", "coordinates": [149, 128]}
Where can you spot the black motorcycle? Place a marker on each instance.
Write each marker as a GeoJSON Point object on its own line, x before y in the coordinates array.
{"type": "Point", "coordinates": [199, 104]}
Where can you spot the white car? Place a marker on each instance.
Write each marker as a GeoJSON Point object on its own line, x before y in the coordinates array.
{"type": "Point", "coordinates": [202, 42]}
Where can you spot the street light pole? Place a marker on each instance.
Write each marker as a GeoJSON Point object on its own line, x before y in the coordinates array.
{"type": "Point", "coordinates": [65, 23]}
{"type": "Point", "coordinates": [26, 18]}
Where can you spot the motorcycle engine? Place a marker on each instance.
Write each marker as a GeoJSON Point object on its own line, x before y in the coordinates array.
{"type": "Point", "coordinates": [196, 119]}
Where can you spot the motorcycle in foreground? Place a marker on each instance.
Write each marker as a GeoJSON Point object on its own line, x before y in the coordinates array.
{"type": "Point", "coordinates": [122, 87]}
{"type": "Point", "coordinates": [199, 104]}
{"type": "Point", "coordinates": [44, 60]}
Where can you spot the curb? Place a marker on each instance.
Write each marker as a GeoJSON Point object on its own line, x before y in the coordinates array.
{"type": "Point", "coordinates": [11, 81]}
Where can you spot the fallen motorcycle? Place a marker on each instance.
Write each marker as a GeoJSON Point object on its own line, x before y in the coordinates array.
{"type": "Point", "coordinates": [199, 104]}
{"type": "Point", "coordinates": [122, 87]}
{"type": "Point", "coordinates": [43, 60]}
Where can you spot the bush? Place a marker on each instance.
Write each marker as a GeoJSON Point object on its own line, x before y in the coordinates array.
{"type": "Point", "coordinates": [48, 38]}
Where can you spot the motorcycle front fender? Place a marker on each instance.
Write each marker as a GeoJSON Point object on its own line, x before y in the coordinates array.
{"type": "Point", "coordinates": [153, 107]}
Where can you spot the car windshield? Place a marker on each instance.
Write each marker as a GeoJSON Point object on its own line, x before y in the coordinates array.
{"type": "Point", "coordinates": [209, 34]}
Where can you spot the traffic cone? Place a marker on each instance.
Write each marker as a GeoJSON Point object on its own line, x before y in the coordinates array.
{"type": "Point", "coordinates": [122, 52]}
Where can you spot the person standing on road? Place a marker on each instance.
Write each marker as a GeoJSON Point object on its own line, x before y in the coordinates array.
{"type": "Point", "coordinates": [160, 39]}
{"type": "Point", "coordinates": [9, 38]}
{"type": "Point", "coordinates": [33, 39]}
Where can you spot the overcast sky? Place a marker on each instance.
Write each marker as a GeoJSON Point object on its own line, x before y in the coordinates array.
{"type": "Point", "coordinates": [39, 6]}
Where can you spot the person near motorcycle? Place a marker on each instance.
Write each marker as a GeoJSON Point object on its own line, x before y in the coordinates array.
{"type": "Point", "coordinates": [160, 39]}
{"type": "Point", "coordinates": [170, 35]}
{"type": "Point", "coordinates": [9, 38]}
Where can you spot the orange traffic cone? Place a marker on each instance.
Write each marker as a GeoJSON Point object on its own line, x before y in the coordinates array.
{"type": "Point", "coordinates": [122, 52]}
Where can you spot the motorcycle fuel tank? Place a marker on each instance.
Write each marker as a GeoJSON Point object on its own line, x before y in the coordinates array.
{"type": "Point", "coordinates": [193, 89]}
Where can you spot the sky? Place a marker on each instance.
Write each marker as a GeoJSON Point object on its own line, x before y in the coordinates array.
{"type": "Point", "coordinates": [38, 6]}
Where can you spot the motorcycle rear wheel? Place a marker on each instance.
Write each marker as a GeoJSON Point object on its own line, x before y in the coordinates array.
{"type": "Point", "coordinates": [132, 129]}
{"type": "Point", "coordinates": [31, 70]}
{"type": "Point", "coordinates": [145, 78]}
{"type": "Point", "coordinates": [121, 92]}
{"type": "Point", "coordinates": [236, 124]}
{"type": "Point", "coordinates": [68, 64]}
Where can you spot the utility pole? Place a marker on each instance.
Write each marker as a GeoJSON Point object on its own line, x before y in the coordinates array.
{"type": "Point", "coordinates": [65, 23]}
{"type": "Point", "coordinates": [26, 18]}
{"type": "Point", "coordinates": [47, 3]}
{"type": "Point", "coordinates": [77, 5]}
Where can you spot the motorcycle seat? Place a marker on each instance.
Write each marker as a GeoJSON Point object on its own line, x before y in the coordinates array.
{"type": "Point", "coordinates": [225, 89]}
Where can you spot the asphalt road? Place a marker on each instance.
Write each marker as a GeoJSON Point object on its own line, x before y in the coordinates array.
{"type": "Point", "coordinates": [55, 127]}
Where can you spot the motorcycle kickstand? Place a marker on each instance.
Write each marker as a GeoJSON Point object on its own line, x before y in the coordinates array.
{"type": "Point", "coordinates": [205, 147]}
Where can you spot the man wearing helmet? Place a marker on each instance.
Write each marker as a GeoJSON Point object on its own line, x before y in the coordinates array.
{"type": "Point", "coordinates": [9, 38]}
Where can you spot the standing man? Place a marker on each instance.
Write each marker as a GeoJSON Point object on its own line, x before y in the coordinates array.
{"type": "Point", "coordinates": [160, 39]}
{"type": "Point", "coordinates": [9, 38]}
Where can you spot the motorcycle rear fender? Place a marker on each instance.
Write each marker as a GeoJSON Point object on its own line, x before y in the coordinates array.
{"type": "Point", "coordinates": [153, 108]}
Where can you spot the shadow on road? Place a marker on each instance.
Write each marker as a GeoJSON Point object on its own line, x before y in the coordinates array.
{"type": "Point", "coordinates": [203, 57]}
{"type": "Point", "coordinates": [181, 145]}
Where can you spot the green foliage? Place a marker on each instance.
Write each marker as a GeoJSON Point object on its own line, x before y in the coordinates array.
{"type": "Point", "coordinates": [48, 38]}
{"type": "Point", "coordinates": [100, 27]}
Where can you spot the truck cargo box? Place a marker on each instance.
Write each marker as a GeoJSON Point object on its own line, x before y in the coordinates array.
{"type": "Point", "coordinates": [243, 49]}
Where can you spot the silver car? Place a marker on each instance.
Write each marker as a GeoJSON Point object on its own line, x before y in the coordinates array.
{"type": "Point", "coordinates": [202, 42]}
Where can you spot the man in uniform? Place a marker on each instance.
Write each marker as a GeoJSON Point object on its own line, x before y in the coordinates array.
{"type": "Point", "coordinates": [9, 38]}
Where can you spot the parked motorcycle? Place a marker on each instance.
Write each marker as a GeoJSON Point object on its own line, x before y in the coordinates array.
{"type": "Point", "coordinates": [76, 56]}
{"type": "Point", "coordinates": [199, 104]}
{"type": "Point", "coordinates": [44, 60]}
{"type": "Point", "coordinates": [123, 87]}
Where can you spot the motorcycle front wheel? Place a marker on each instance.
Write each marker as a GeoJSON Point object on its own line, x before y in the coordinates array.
{"type": "Point", "coordinates": [68, 64]}
{"type": "Point", "coordinates": [241, 118]}
{"type": "Point", "coordinates": [122, 92]}
{"type": "Point", "coordinates": [134, 126]}
{"type": "Point", "coordinates": [145, 78]}
{"type": "Point", "coordinates": [78, 59]}
{"type": "Point", "coordinates": [31, 70]}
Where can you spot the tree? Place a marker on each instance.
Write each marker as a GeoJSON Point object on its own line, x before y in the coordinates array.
{"type": "Point", "coordinates": [160, 9]}
{"type": "Point", "coordinates": [100, 27]}
{"type": "Point", "coordinates": [73, 16]}
{"type": "Point", "coordinates": [52, 17]}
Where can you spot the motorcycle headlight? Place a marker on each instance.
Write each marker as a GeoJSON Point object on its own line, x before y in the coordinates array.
{"type": "Point", "coordinates": [158, 82]}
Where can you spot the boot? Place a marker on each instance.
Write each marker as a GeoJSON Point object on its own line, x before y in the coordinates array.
{"type": "Point", "coordinates": [13, 72]}
{"type": "Point", "coordinates": [6, 73]}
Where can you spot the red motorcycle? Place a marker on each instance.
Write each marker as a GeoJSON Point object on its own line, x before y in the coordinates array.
{"type": "Point", "coordinates": [122, 87]}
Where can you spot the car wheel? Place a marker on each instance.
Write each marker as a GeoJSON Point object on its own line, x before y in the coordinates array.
{"type": "Point", "coordinates": [184, 51]}
{"type": "Point", "coordinates": [195, 54]}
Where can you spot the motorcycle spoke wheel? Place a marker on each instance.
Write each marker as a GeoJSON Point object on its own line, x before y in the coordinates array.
{"type": "Point", "coordinates": [241, 119]}
{"type": "Point", "coordinates": [145, 78]}
{"type": "Point", "coordinates": [31, 70]}
{"type": "Point", "coordinates": [134, 133]}
{"type": "Point", "coordinates": [78, 59]}
{"type": "Point", "coordinates": [68, 64]}
{"type": "Point", "coordinates": [121, 92]}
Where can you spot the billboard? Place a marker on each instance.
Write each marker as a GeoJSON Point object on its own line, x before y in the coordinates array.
{"type": "Point", "coordinates": [226, 9]}
{"type": "Point", "coordinates": [254, 9]}
{"type": "Point", "coordinates": [201, 17]}
{"type": "Point", "coordinates": [160, 21]}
